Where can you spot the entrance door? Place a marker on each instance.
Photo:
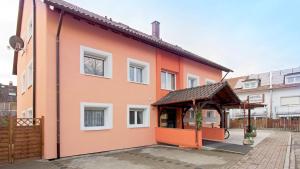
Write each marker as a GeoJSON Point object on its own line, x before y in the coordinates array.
{"type": "Point", "coordinates": [171, 120]}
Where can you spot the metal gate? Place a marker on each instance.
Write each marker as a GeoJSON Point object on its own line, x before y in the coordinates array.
{"type": "Point", "coordinates": [20, 138]}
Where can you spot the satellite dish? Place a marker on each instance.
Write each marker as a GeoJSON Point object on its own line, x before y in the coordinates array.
{"type": "Point", "coordinates": [16, 43]}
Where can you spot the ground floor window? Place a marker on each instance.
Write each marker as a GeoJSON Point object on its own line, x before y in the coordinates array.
{"type": "Point", "coordinates": [96, 116]}
{"type": "Point", "coordinates": [138, 116]}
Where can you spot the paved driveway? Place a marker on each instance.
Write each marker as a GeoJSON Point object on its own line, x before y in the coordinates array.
{"type": "Point", "coordinates": [154, 157]}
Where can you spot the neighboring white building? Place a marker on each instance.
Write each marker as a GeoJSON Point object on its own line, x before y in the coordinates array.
{"type": "Point", "coordinates": [278, 90]}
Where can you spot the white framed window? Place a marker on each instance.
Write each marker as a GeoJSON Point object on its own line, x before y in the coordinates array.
{"type": "Point", "coordinates": [138, 71]}
{"type": "Point", "coordinates": [96, 116]}
{"type": "Point", "coordinates": [289, 101]}
{"type": "Point", "coordinates": [138, 116]}
{"type": "Point", "coordinates": [209, 81]}
{"type": "Point", "coordinates": [29, 28]}
{"type": "Point", "coordinates": [95, 62]}
{"type": "Point", "coordinates": [23, 82]}
{"type": "Point", "coordinates": [29, 74]}
{"type": "Point", "coordinates": [168, 80]}
{"type": "Point", "coordinates": [210, 116]}
{"type": "Point", "coordinates": [192, 80]}
{"type": "Point", "coordinates": [291, 79]}
{"type": "Point", "coordinates": [250, 84]}
{"type": "Point", "coordinates": [192, 116]}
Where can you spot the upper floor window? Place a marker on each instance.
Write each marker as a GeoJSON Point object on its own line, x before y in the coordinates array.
{"type": "Point", "coordinates": [96, 116]}
{"type": "Point", "coordinates": [168, 80]}
{"type": "Point", "coordinates": [23, 82]}
{"type": "Point", "coordinates": [289, 101]}
{"type": "Point", "coordinates": [138, 71]}
{"type": "Point", "coordinates": [138, 116]}
{"type": "Point", "coordinates": [250, 84]}
{"type": "Point", "coordinates": [192, 81]}
{"type": "Point", "coordinates": [95, 62]}
{"type": "Point", "coordinates": [291, 79]}
{"type": "Point", "coordinates": [29, 28]}
{"type": "Point", "coordinates": [209, 81]}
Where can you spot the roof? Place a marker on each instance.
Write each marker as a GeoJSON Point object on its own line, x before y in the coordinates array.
{"type": "Point", "coordinates": [127, 31]}
{"type": "Point", "coordinates": [274, 78]}
{"type": "Point", "coordinates": [220, 91]}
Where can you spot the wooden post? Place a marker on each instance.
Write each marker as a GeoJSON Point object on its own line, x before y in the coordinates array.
{"type": "Point", "coordinates": [158, 116]}
{"type": "Point", "coordinates": [196, 125]}
{"type": "Point", "coordinates": [249, 119]}
{"type": "Point", "coordinates": [42, 136]}
{"type": "Point", "coordinates": [182, 117]}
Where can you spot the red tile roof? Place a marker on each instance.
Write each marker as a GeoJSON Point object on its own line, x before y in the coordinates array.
{"type": "Point", "coordinates": [204, 92]}
{"type": "Point", "coordinates": [133, 33]}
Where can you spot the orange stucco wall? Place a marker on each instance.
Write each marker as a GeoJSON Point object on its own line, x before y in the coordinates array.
{"type": "Point", "coordinates": [76, 88]}
{"type": "Point", "coordinates": [215, 134]}
{"type": "Point", "coordinates": [180, 137]}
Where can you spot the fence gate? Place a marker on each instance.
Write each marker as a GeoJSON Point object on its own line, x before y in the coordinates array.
{"type": "Point", "coordinates": [20, 138]}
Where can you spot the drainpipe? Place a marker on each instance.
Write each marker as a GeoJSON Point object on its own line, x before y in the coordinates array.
{"type": "Point", "coordinates": [57, 85]}
{"type": "Point", "coordinates": [34, 59]}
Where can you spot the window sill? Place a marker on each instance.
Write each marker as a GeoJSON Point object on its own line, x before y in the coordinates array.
{"type": "Point", "coordinates": [105, 77]}
{"type": "Point", "coordinates": [95, 128]}
{"type": "Point", "coordinates": [138, 82]}
{"type": "Point", "coordinates": [133, 127]}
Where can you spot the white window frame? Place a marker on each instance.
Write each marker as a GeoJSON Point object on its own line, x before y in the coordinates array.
{"type": "Point", "coordinates": [167, 72]}
{"type": "Point", "coordinates": [106, 56]}
{"type": "Point", "coordinates": [108, 115]}
{"type": "Point", "coordinates": [192, 76]}
{"type": "Point", "coordinates": [294, 79]}
{"type": "Point", "coordinates": [29, 30]}
{"type": "Point", "coordinates": [209, 81]}
{"type": "Point", "coordinates": [251, 87]}
{"type": "Point", "coordinates": [23, 82]}
{"type": "Point", "coordinates": [146, 117]}
{"type": "Point", "coordinates": [145, 70]}
{"type": "Point", "coordinates": [29, 75]}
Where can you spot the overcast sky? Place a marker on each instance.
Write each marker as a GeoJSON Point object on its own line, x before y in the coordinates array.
{"type": "Point", "coordinates": [246, 36]}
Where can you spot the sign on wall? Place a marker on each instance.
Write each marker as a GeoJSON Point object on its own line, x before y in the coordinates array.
{"type": "Point", "coordinates": [257, 98]}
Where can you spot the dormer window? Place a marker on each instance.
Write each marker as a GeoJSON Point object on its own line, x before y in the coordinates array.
{"type": "Point", "coordinates": [291, 79]}
{"type": "Point", "coordinates": [250, 84]}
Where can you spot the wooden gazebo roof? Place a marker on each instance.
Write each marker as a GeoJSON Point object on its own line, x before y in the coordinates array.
{"type": "Point", "coordinates": [220, 93]}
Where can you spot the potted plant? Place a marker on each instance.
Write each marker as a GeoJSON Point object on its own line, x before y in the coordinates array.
{"type": "Point", "coordinates": [254, 131]}
{"type": "Point", "coordinates": [248, 139]}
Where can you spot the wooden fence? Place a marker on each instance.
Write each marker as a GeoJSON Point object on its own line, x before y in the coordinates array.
{"type": "Point", "coordinates": [20, 138]}
{"type": "Point", "coordinates": [282, 124]}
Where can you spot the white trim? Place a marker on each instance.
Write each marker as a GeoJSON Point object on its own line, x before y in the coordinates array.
{"type": "Point", "coordinates": [108, 115]}
{"type": "Point", "coordinates": [145, 72]}
{"type": "Point", "coordinates": [108, 67]}
{"type": "Point", "coordinates": [209, 81]}
{"type": "Point", "coordinates": [189, 75]}
{"type": "Point", "coordinates": [146, 117]}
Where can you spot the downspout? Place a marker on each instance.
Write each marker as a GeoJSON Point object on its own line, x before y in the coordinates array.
{"type": "Point", "coordinates": [57, 85]}
{"type": "Point", "coordinates": [34, 59]}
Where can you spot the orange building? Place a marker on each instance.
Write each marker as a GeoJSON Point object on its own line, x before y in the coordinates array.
{"type": "Point", "coordinates": [94, 80]}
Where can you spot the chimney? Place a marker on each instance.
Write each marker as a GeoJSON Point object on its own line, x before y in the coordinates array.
{"type": "Point", "coordinates": [155, 29]}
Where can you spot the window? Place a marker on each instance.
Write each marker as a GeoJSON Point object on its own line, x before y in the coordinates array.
{"type": "Point", "coordinates": [29, 74]}
{"type": "Point", "coordinates": [23, 82]}
{"type": "Point", "coordinates": [168, 81]}
{"type": "Point", "coordinates": [192, 81]}
{"type": "Point", "coordinates": [95, 116]}
{"type": "Point", "coordinates": [12, 93]}
{"type": "Point", "coordinates": [209, 81]}
{"type": "Point", "coordinates": [95, 62]}
{"type": "Point", "coordinates": [250, 84]}
{"type": "Point", "coordinates": [29, 113]}
{"type": "Point", "coordinates": [288, 101]}
{"type": "Point", "coordinates": [138, 116]}
{"type": "Point", "coordinates": [138, 71]}
{"type": "Point", "coordinates": [29, 29]}
{"type": "Point", "coordinates": [210, 116]}
{"type": "Point", "coordinates": [291, 79]}
{"type": "Point", "coordinates": [192, 116]}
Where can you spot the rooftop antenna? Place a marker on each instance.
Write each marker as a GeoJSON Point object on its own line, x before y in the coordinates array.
{"type": "Point", "coordinates": [16, 43]}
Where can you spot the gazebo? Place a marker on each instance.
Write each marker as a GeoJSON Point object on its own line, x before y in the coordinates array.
{"type": "Point", "coordinates": [176, 104]}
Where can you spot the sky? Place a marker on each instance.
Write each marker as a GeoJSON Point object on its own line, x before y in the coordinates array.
{"type": "Point", "coordinates": [246, 36]}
